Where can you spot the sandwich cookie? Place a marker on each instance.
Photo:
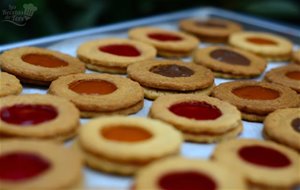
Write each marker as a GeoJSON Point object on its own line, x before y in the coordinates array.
{"type": "Point", "coordinates": [9, 85]}
{"type": "Point", "coordinates": [296, 57]}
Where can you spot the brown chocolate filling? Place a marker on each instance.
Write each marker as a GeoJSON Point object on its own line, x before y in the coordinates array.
{"type": "Point", "coordinates": [296, 124]}
{"type": "Point", "coordinates": [172, 70]}
{"type": "Point", "coordinates": [230, 57]}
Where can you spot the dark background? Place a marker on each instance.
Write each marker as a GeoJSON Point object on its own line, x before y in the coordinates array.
{"type": "Point", "coordinates": [58, 16]}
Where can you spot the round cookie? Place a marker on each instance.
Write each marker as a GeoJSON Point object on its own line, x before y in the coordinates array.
{"type": "Point", "coordinates": [113, 55]}
{"type": "Point", "coordinates": [296, 57]}
{"type": "Point", "coordinates": [39, 165]}
{"type": "Point", "coordinates": [283, 126]}
{"type": "Point", "coordinates": [211, 29]}
{"type": "Point", "coordinates": [161, 77]}
{"type": "Point", "coordinates": [37, 116]}
{"type": "Point", "coordinates": [199, 118]}
{"type": "Point", "coordinates": [256, 99]}
{"type": "Point", "coordinates": [100, 94]}
{"type": "Point", "coordinates": [123, 145]}
{"type": "Point", "coordinates": [9, 85]}
{"type": "Point", "coordinates": [182, 173]}
{"type": "Point", "coordinates": [287, 75]}
{"type": "Point", "coordinates": [227, 62]}
{"type": "Point", "coordinates": [38, 65]}
{"type": "Point", "coordinates": [269, 46]}
{"type": "Point", "coordinates": [168, 43]}
{"type": "Point", "coordinates": [265, 165]}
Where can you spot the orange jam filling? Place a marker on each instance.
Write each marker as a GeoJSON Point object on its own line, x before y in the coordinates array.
{"type": "Point", "coordinates": [293, 75]}
{"type": "Point", "coordinates": [261, 41]}
{"type": "Point", "coordinates": [125, 134]}
{"type": "Point", "coordinates": [44, 60]}
{"type": "Point", "coordinates": [256, 93]}
{"type": "Point", "coordinates": [99, 87]}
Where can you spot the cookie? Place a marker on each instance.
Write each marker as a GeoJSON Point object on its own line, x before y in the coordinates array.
{"type": "Point", "coordinates": [123, 145]}
{"type": "Point", "coordinates": [39, 165]}
{"type": "Point", "coordinates": [9, 85]}
{"type": "Point", "coordinates": [266, 165]}
{"type": "Point", "coordinates": [296, 57]}
{"type": "Point", "coordinates": [269, 46]}
{"type": "Point", "coordinates": [161, 77]}
{"type": "Point", "coordinates": [182, 173]}
{"type": "Point", "coordinates": [211, 29]}
{"type": "Point", "coordinates": [113, 55]}
{"type": "Point", "coordinates": [168, 43]}
{"type": "Point", "coordinates": [100, 94]}
{"type": "Point", "coordinates": [228, 62]}
{"type": "Point", "coordinates": [256, 99]}
{"type": "Point", "coordinates": [283, 126]}
{"type": "Point", "coordinates": [199, 118]}
{"type": "Point", "coordinates": [38, 65]}
{"type": "Point", "coordinates": [287, 75]}
{"type": "Point", "coordinates": [37, 116]}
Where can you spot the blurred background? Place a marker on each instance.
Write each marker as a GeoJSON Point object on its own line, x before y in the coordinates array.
{"type": "Point", "coordinates": [48, 17]}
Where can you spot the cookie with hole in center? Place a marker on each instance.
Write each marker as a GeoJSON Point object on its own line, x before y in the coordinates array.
{"type": "Point", "coordinates": [227, 62]}
{"type": "Point", "coordinates": [256, 99]}
{"type": "Point", "coordinates": [34, 164]}
{"type": "Point", "coordinates": [199, 118]}
{"type": "Point", "coordinates": [36, 116]}
{"type": "Point", "coordinates": [269, 46]}
{"type": "Point", "coordinates": [211, 29]}
{"type": "Point", "coordinates": [283, 126]}
{"type": "Point", "coordinates": [38, 65]}
{"type": "Point", "coordinates": [168, 43]}
{"type": "Point", "coordinates": [9, 85]}
{"type": "Point", "coordinates": [113, 55]}
{"type": "Point", "coordinates": [123, 145]}
{"type": "Point", "coordinates": [100, 94]}
{"type": "Point", "coordinates": [265, 164]}
{"type": "Point", "coordinates": [161, 77]}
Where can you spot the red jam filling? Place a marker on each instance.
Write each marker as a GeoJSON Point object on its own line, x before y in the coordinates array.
{"type": "Point", "coordinates": [18, 166]}
{"type": "Point", "coordinates": [264, 156]}
{"type": "Point", "coordinates": [196, 110]}
{"type": "Point", "coordinates": [44, 60]}
{"type": "Point", "coordinates": [186, 181]}
{"type": "Point", "coordinates": [164, 37]}
{"type": "Point", "coordinates": [26, 114]}
{"type": "Point", "coordinates": [256, 93]}
{"type": "Point", "coordinates": [121, 50]}
{"type": "Point", "coordinates": [96, 87]}
{"type": "Point", "coordinates": [293, 75]}
{"type": "Point", "coordinates": [261, 41]}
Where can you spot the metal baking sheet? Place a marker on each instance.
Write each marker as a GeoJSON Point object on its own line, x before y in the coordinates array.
{"type": "Point", "coordinates": [69, 42]}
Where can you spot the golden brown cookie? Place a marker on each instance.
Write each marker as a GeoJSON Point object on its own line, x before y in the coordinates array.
{"type": "Point", "coordinates": [123, 145]}
{"type": "Point", "coordinates": [296, 57]}
{"type": "Point", "coordinates": [179, 173]}
{"type": "Point", "coordinates": [269, 46]}
{"type": "Point", "coordinates": [210, 30]}
{"type": "Point", "coordinates": [256, 99]}
{"type": "Point", "coordinates": [266, 165]}
{"type": "Point", "coordinates": [38, 65]}
{"type": "Point", "coordinates": [9, 85]}
{"type": "Point", "coordinates": [37, 116]}
{"type": "Point", "coordinates": [168, 43]}
{"type": "Point", "coordinates": [100, 94]}
{"type": "Point", "coordinates": [38, 165]}
{"type": "Point", "coordinates": [113, 55]}
{"type": "Point", "coordinates": [160, 77]}
{"type": "Point", "coordinates": [283, 126]}
{"type": "Point", "coordinates": [287, 75]}
{"type": "Point", "coordinates": [228, 62]}
{"type": "Point", "coordinates": [199, 118]}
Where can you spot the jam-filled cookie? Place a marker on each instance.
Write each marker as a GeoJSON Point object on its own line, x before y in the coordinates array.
{"type": "Point", "coordinates": [283, 126]}
{"type": "Point", "coordinates": [296, 57]}
{"type": "Point", "coordinates": [181, 173]}
{"type": "Point", "coordinates": [228, 62]}
{"type": "Point", "coordinates": [210, 30]}
{"type": "Point", "coordinates": [123, 145]}
{"type": "Point", "coordinates": [113, 55]}
{"type": "Point", "coordinates": [256, 99]}
{"type": "Point", "coordinates": [38, 65]}
{"type": "Point", "coordinates": [269, 46]}
{"type": "Point", "coordinates": [199, 118]}
{"type": "Point", "coordinates": [100, 94]}
{"type": "Point", "coordinates": [286, 75]}
{"type": "Point", "coordinates": [38, 116]}
{"type": "Point", "coordinates": [161, 77]}
{"type": "Point", "coordinates": [168, 43]}
{"type": "Point", "coordinates": [266, 165]}
{"type": "Point", "coordinates": [33, 164]}
{"type": "Point", "coordinates": [9, 85]}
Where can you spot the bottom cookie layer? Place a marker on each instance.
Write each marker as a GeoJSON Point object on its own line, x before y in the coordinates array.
{"type": "Point", "coordinates": [106, 69]}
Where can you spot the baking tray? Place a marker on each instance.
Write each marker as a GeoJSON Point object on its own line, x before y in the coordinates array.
{"type": "Point", "coordinates": [68, 43]}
